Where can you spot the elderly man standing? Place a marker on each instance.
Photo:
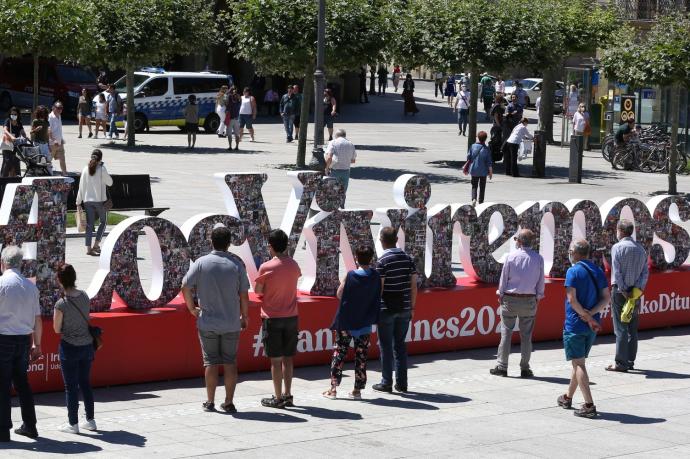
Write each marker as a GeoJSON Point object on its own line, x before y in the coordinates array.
{"type": "Point", "coordinates": [20, 341]}
{"type": "Point", "coordinates": [221, 285]}
{"type": "Point", "coordinates": [519, 290]}
{"type": "Point", "coordinates": [629, 270]}
{"type": "Point", "coordinates": [340, 153]}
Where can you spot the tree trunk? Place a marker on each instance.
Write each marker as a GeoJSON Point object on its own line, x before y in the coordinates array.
{"type": "Point", "coordinates": [548, 89]}
{"type": "Point", "coordinates": [130, 105]}
{"type": "Point", "coordinates": [307, 94]}
{"type": "Point", "coordinates": [35, 95]}
{"type": "Point", "coordinates": [675, 125]}
{"type": "Point", "coordinates": [474, 97]}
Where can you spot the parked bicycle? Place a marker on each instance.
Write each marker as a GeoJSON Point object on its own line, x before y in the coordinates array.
{"type": "Point", "coordinates": [649, 151]}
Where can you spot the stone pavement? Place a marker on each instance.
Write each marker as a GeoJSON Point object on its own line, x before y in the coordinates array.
{"type": "Point", "coordinates": [455, 409]}
{"type": "Point", "coordinates": [642, 413]}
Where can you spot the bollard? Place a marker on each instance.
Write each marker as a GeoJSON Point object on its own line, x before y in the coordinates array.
{"type": "Point", "coordinates": [576, 149]}
{"type": "Point", "coordinates": [539, 155]}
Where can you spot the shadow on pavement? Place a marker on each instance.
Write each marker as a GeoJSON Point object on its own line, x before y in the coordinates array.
{"type": "Point", "coordinates": [624, 418]}
{"type": "Point", "coordinates": [389, 148]}
{"type": "Point", "coordinates": [434, 398]}
{"type": "Point", "coordinates": [274, 416]}
{"type": "Point", "coordinates": [390, 175]}
{"type": "Point", "coordinates": [46, 445]}
{"type": "Point", "coordinates": [657, 374]}
{"type": "Point", "coordinates": [552, 379]}
{"type": "Point", "coordinates": [400, 403]}
{"type": "Point", "coordinates": [324, 413]}
{"type": "Point", "coordinates": [120, 437]}
{"type": "Point", "coordinates": [163, 149]}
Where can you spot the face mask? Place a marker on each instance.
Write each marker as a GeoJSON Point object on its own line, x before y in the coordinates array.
{"type": "Point", "coordinates": [13, 117]}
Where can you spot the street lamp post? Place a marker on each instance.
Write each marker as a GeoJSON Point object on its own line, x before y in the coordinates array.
{"type": "Point", "coordinates": [319, 85]}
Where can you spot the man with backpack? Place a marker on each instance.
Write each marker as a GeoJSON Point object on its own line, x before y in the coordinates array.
{"type": "Point", "coordinates": [113, 109]}
{"type": "Point", "coordinates": [587, 294]}
{"type": "Point", "coordinates": [399, 277]}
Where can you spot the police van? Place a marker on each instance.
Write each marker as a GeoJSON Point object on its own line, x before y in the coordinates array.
{"type": "Point", "coordinates": [160, 97]}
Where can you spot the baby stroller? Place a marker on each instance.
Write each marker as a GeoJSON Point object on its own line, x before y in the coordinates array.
{"type": "Point", "coordinates": [36, 164]}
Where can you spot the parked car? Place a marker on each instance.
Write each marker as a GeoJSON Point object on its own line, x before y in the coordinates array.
{"type": "Point", "coordinates": [533, 88]}
{"type": "Point", "coordinates": [160, 97]}
{"type": "Point", "coordinates": [58, 81]}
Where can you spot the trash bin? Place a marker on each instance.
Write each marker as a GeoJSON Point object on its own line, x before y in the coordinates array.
{"type": "Point", "coordinates": [539, 155]}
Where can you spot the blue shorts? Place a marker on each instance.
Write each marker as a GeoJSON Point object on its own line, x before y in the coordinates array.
{"type": "Point", "coordinates": [245, 120]}
{"type": "Point", "coordinates": [577, 345]}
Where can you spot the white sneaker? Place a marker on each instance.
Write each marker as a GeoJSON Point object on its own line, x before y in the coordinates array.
{"type": "Point", "coordinates": [89, 424]}
{"type": "Point", "coordinates": [68, 428]}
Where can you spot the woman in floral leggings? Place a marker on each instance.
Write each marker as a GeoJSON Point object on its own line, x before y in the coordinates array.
{"type": "Point", "coordinates": [360, 302]}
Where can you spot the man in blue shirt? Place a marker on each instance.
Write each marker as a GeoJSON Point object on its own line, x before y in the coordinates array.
{"type": "Point", "coordinates": [587, 293]}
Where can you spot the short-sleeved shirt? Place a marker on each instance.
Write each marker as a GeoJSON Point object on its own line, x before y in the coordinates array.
{"type": "Point", "coordinates": [343, 152]}
{"type": "Point", "coordinates": [219, 278]}
{"type": "Point", "coordinates": [41, 135]}
{"type": "Point", "coordinates": [279, 278]}
{"type": "Point", "coordinates": [18, 304]}
{"type": "Point", "coordinates": [112, 100]}
{"type": "Point", "coordinates": [75, 328]}
{"type": "Point", "coordinates": [586, 291]}
{"type": "Point", "coordinates": [396, 268]}
{"type": "Point", "coordinates": [55, 122]}
{"type": "Point", "coordinates": [15, 129]}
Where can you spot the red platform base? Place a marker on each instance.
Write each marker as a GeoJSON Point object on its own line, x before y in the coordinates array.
{"type": "Point", "coordinates": [162, 343]}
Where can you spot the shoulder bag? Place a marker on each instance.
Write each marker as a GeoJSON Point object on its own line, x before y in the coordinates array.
{"type": "Point", "coordinates": [108, 203]}
{"type": "Point", "coordinates": [95, 332]}
{"type": "Point", "coordinates": [468, 164]}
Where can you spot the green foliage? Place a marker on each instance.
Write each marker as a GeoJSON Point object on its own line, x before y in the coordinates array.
{"type": "Point", "coordinates": [46, 28]}
{"type": "Point", "coordinates": [279, 36]}
{"type": "Point", "coordinates": [660, 57]}
{"type": "Point", "coordinates": [144, 32]}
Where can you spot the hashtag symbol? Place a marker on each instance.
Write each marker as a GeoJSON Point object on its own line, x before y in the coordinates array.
{"type": "Point", "coordinates": [258, 344]}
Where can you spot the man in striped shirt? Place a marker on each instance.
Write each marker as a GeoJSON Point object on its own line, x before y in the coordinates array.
{"type": "Point", "coordinates": [628, 270]}
{"type": "Point", "coordinates": [399, 293]}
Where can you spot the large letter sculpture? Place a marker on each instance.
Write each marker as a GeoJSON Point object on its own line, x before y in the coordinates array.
{"type": "Point", "coordinates": [304, 186]}
{"type": "Point", "coordinates": [671, 242]}
{"type": "Point", "coordinates": [197, 230]}
{"type": "Point", "coordinates": [614, 209]}
{"type": "Point", "coordinates": [439, 247]}
{"type": "Point", "coordinates": [412, 192]}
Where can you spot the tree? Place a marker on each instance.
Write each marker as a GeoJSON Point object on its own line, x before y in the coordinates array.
{"type": "Point", "coordinates": [279, 37]}
{"type": "Point", "coordinates": [132, 34]}
{"type": "Point", "coordinates": [564, 28]}
{"type": "Point", "coordinates": [45, 29]}
{"type": "Point", "coordinates": [661, 58]}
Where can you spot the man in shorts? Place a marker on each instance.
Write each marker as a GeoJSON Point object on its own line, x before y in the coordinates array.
{"type": "Point", "coordinates": [221, 286]}
{"type": "Point", "coordinates": [56, 139]}
{"type": "Point", "coordinates": [587, 294]}
{"type": "Point", "coordinates": [276, 285]}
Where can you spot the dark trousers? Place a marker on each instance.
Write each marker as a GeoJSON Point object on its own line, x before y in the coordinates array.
{"type": "Point", "coordinates": [14, 363]}
{"type": "Point", "coordinates": [361, 344]}
{"type": "Point", "coordinates": [392, 329]}
{"type": "Point", "coordinates": [10, 164]}
{"type": "Point", "coordinates": [363, 97]}
{"type": "Point", "coordinates": [626, 334]}
{"type": "Point", "coordinates": [463, 115]}
{"type": "Point", "coordinates": [382, 87]}
{"type": "Point", "coordinates": [481, 182]}
{"type": "Point", "coordinates": [510, 159]}
{"type": "Point", "coordinates": [76, 371]}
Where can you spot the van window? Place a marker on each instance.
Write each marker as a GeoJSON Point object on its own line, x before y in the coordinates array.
{"type": "Point", "coordinates": [191, 85]}
{"type": "Point", "coordinates": [156, 87]}
{"type": "Point", "coordinates": [121, 84]}
{"type": "Point", "coordinates": [70, 74]}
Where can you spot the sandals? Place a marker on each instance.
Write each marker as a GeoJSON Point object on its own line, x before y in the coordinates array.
{"type": "Point", "coordinates": [228, 407]}
{"type": "Point", "coordinates": [330, 394]}
{"type": "Point", "coordinates": [355, 395]}
{"type": "Point", "coordinates": [616, 369]}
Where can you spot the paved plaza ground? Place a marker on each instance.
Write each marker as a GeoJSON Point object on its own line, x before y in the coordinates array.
{"type": "Point", "coordinates": [455, 408]}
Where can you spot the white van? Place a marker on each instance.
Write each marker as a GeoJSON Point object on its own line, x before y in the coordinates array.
{"type": "Point", "coordinates": [160, 97]}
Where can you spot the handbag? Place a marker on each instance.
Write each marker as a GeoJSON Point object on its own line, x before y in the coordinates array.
{"type": "Point", "coordinates": [468, 164]}
{"type": "Point", "coordinates": [108, 203]}
{"type": "Point", "coordinates": [95, 332]}
{"type": "Point", "coordinates": [81, 219]}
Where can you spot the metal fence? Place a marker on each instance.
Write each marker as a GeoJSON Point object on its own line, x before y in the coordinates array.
{"type": "Point", "coordinates": [647, 10]}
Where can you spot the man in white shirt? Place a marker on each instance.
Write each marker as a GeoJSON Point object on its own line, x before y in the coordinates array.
{"type": "Point", "coordinates": [519, 133]}
{"type": "Point", "coordinates": [462, 106]}
{"type": "Point", "coordinates": [57, 141]}
{"type": "Point", "coordinates": [340, 154]}
{"type": "Point", "coordinates": [20, 341]}
{"type": "Point", "coordinates": [500, 86]}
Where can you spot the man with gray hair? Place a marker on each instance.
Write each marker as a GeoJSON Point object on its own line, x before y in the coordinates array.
{"type": "Point", "coordinates": [340, 154]}
{"type": "Point", "coordinates": [519, 291]}
{"type": "Point", "coordinates": [20, 341]}
{"type": "Point", "coordinates": [629, 270]}
{"type": "Point", "coordinates": [587, 294]}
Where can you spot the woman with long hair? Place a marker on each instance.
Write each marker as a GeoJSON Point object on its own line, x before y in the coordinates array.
{"type": "Point", "coordinates": [101, 119]}
{"type": "Point", "coordinates": [92, 196]}
{"type": "Point", "coordinates": [330, 110]}
{"type": "Point", "coordinates": [76, 351]}
{"type": "Point", "coordinates": [12, 131]}
{"type": "Point", "coordinates": [84, 112]}
{"type": "Point", "coordinates": [221, 102]}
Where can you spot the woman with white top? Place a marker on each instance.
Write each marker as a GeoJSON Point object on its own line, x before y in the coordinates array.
{"type": "Point", "coordinates": [579, 120]}
{"type": "Point", "coordinates": [247, 112]}
{"type": "Point", "coordinates": [462, 106]}
{"type": "Point", "coordinates": [221, 102]}
{"type": "Point", "coordinates": [91, 196]}
{"type": "Point", "coordinates": [519, 133]}
{"type": "Point", "coordinates": [101, 118]}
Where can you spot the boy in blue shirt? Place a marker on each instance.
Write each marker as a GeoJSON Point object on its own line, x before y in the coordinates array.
{"type": "Point", "coordinates": [587, 293]}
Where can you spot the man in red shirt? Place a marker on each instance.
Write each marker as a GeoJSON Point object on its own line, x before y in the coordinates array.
{"type": "Point", "coordinates": [276, 285]}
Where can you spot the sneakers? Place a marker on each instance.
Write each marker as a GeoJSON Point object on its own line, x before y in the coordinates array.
{"type": "Point", "coordinates": [564, 401]}
{"type": "Point", "coordinates": [208, 406]}
{"type": "Point", "coordinates": [498, 372]}
{"type": "Point", "coordinates": [382, 388]}
{"type": "Point", "coordinates": [26, 431]}
{"type": "Point", "coordinates": [526, 373]}
{"type": "Point", "coordinates": [89, 424]}
{"type": "Point", "coordinates": [400, 388]}
{"type": "Point", "coordinates": [69, 428]}
{"type": "Point", "coordinates": [273, 402]}
{"type": "Point", "coordinates": [586, 411]}
{"type": "Point", "coordinates": [90, 134]}
{"type": "Point", "coordinates": [288, 400]}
